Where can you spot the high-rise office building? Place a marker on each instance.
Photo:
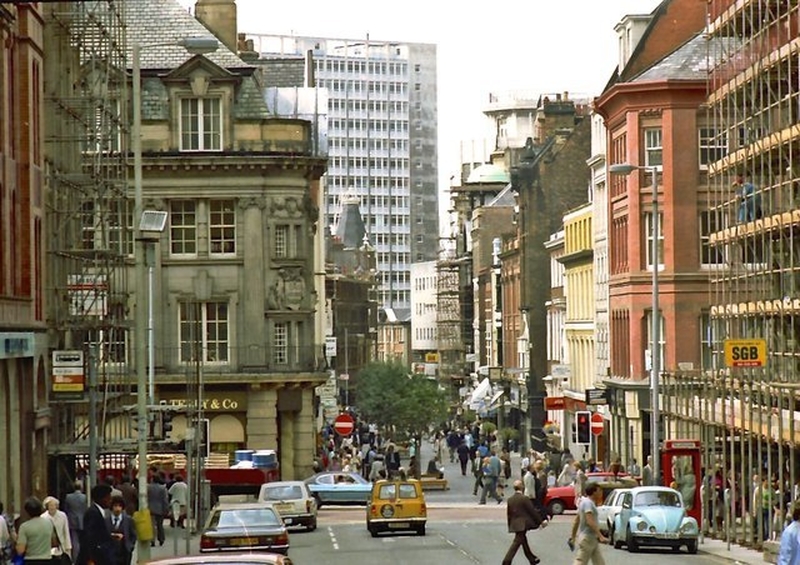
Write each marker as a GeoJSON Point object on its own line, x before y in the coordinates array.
{"type": "Point", "coordinates": [382, 134]}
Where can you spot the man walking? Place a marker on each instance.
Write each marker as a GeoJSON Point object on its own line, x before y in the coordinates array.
{"type": "Point", "coordinates": [589, 536]}
{"type": "Point", "coordinates": [75, 506]}
{"type": "Point", "coordinates": [491, 474]}
{"type": "Point", "coordinates": [789, 553]}
{"type": "Point", "coordinates": [522, 516]}
{"type": "Point", "coordinates": [647, 473]}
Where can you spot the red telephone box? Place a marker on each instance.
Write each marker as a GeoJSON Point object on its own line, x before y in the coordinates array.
{"type": "Point", "coordinates": [680, 465]}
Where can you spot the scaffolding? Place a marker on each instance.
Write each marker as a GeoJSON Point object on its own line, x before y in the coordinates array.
{"type": "Point", "coordinates": [90, 237]}
{"type": "Point", "coordinates": [747, 417]}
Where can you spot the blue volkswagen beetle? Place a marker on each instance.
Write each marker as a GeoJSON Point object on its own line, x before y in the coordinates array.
{"type": "Point", "coordinates": [656, 517]}
{"type": "Point", "coordinates": [339, 487]}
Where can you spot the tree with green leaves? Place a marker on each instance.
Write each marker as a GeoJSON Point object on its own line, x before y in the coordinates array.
{"type": "Point", "coordinates": [389, 395]}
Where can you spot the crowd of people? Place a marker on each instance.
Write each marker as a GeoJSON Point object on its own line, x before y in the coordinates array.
{"type": "Point", "coordinates": [97, 529]}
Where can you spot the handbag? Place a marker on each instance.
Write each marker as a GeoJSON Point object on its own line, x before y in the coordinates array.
{"type": "Point", "coordinates": [63, 558]}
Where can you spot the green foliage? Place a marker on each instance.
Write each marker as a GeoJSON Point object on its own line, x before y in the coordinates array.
{"type": "Point", "coordinates": [507, 434]}
{"type": "Point", "coordinates": [489, 428]}
{"type": "Point", "coordinates": [388, 395]}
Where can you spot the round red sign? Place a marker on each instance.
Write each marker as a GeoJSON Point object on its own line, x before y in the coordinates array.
{"type": "Point", "coordinates": [598, 424]}
{"type": "Point", "coordinates": [344, 424]}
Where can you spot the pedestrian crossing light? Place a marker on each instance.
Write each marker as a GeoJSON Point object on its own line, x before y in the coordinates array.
{"type": "Point", "coordinates": [583, 427]}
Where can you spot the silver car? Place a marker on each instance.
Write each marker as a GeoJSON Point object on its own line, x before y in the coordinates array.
{"type": "Point", "coordinates": [607, 512]}
{"type": "Point", "coordinates": [293, 501]}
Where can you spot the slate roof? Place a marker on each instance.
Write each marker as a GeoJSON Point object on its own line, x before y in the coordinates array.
{"type": "Point", "coordinates": [250, 103]}
{"type": "Point", "coordinates": [163, 21]}
{"type": "Point", "coordinates": [350, 229]}
{"type": "Point", "coordinates": [690, 61]}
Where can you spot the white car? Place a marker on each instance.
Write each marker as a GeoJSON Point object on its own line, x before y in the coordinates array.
{"type": "Point", "coordinates": [293, 501]}
{"type": "Point", "coordinates": [607, 512]}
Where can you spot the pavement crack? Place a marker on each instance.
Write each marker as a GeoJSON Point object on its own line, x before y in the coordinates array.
{"type": "Point", "coordinates": [473, 558]}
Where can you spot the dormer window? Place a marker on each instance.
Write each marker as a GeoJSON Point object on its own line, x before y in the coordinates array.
{"type": "Point", "coordinates": [201, 124]}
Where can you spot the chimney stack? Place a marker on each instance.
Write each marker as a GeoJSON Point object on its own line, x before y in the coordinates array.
{"type": "Point", "coordinates": [219, 16]}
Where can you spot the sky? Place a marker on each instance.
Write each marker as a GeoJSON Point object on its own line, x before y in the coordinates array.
{"type": "Point", "coordinates": [539, 46]}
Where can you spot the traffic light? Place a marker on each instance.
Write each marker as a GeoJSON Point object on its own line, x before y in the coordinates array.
{"type": "Point", "coordinates": [166, 424]}
{"type": "Point", "coordinates": [583, 427]}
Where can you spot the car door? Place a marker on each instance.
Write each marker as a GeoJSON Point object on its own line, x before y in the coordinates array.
{"type": "Point", "coordinates": [605, 509]}
{"type": "Point", "coordinates": [624, 514]}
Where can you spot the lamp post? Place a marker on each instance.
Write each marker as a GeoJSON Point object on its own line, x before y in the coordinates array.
{"type": "Point", "coordinates": [194, 45]}
{"type": "Point", "coordinates": [655, 357]}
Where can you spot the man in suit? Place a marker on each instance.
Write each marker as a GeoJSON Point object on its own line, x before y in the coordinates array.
{"type": "Point", "coordinates": [75, 505]}
{"type": "Point", "coordinates": [522, 516]}
{"type": "Point", "coordinates": [158, 503]}
{"type": "Point", "coordinates": [96, 542]}
{"type": "Point", "coordinates": [123, 533]}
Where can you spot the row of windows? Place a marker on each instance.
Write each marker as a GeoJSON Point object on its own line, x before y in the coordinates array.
{"type": "Point", "coordinates": [425, 283]}
{"type": "Point", "coordinates": [392, 106]}
{"type": "Point", "coordinates": [354, 125]}
{"type": "Point", "coordinates": [425, 309]}
{"type": "Point", "coordinates": [396, 164]}
{"type": "Point", "coordinates": [375, 183]}
{"type": "Point", "coordinates": [712, 145]}
{"type": "Point", "coordinates": [367, 143]}
{"type": "Point", "coordinates": [362, 86]}
{"type": "Point", "coordinates": [112, 229]}
{"type": "Point", "coordinates": [394, 297]}
{"type": "Point", "coordinates": [204, 332]}
{"type": "Point", "coordinates": [364, 66]}
{"type": "Point", "coordinates": [428, 334]}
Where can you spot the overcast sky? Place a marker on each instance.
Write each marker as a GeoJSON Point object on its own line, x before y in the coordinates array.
{"type": "Point", "coordinates": [544, 46]}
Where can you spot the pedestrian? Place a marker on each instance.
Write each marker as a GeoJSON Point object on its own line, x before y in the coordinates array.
{"type": "Point", "coordinates": [35, 535]}
{"type": "Point", "coordinates": [463, 457]}
{"type": "Point", "coordinates": [6, 540]}
{"type": "Point", "coordinates": [633, 469]}
{"type": "Point", "coordinates": [589, 536]}
{"type": "Point", "coordinates": [123, 532]}
{"type": "Point", "coordinates": [158, 503]}
{"type": "Point", "coordinates": [491, 475]}
{"type": "Point", "coordinates": [477, 472]}
{"type": "Point", "coordinates": [522, 516]}
{"type": "Point", "coordinates": [130, 495]}
{"type": "Point", "coordinates": [178, 500]}
{"type": "Point", "coordinates": [789, 553]}
{"type": "Point", "coordinates": [62, 551]}
{"type": "Point", "coordinates": [529, 482]}
{"type": "Point", "coordinates": [96, 541]}
{"type": "Point", "coordinates": [647, 473]}
{"type": "Point", "coordinates": [75, 505]}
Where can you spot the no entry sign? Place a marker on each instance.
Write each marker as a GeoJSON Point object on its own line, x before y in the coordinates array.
{"type": "Point", "coordinates": [344, 424]}
{"type": "Point", "coordinates": [597, 424]}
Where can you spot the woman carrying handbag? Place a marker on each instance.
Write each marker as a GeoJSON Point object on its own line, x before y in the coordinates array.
{"type": "Point", "coordinates": [61, 545]}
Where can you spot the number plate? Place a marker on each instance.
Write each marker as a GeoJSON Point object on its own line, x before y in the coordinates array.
{"type": "Point", "coordinates": [284, 506]}
{"type": "Point", "coordinates": [244, 541]}
{"type": "Point", "coordinates": [287, 521]}
{"type": "Point", "coordinates": [399, 525]}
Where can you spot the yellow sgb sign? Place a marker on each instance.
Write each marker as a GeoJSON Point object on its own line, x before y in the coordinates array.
{"type": "Point", "coordinates": [745, 352]}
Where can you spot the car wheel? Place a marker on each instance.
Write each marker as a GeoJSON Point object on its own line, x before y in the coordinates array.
{"type": "Point", "coordinates": [612, 537]}
{"type": "Point", "coordinates": [312, 525]}
{"type": "Point", "coordinates": [421, 530]}
{"type": "Point", "coordinates": [691, 546]}
{"type": "Point", "coordinates": [555, 507]}
{"type": "Point", "coordinates": [633, 547]}
{"type": "Point", "coordinates": [373, 532]}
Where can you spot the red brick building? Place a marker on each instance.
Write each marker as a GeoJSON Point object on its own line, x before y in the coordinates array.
{"type": "Point", "coordinates": [654, 117]}
{"type": "Point", "coordinates": [23, 389]}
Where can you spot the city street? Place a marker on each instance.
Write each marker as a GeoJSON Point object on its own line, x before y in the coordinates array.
{"type": "Point", "coordinates": [459, 531]}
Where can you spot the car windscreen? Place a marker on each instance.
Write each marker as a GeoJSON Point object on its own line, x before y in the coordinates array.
{"type": "Point", "coordinates": [387, 492]}
{"type": "Point", "coordinates": [244, 518]}
{"type": "Point", "coordinates": [408, 491]}
{"type": "Point", "coordinates": [283, 492]}
{"type": "Point", "coordinates": [657, 498]}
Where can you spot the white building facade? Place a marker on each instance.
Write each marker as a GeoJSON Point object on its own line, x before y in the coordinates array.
{"type": "Point", "coordinates": [424, 337]}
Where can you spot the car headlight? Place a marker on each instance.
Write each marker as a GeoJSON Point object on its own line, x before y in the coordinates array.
{"type": "Point", "coordinates": [687, 528]}
{"type": "Point", "coordinates": [641, 526]}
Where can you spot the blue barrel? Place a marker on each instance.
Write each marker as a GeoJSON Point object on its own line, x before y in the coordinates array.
{"type": "Point", "coordinates": [265, 459]}
{"type": "Point", "coordinates": [243, 455]}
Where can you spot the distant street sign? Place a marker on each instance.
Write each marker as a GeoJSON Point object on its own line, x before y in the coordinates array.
{"type": "Point", "coordinates": [330, 346]}
{"type": "Point", "coordinates": [598, 425]}
{"type": "Point", "coordinates": [344, 424]}
{"type": "Point", "coordinates": [596, 397]}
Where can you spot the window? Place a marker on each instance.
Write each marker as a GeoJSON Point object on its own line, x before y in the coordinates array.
{"type": "Point", "coordinates": [706, 342]}
{"type": "Point", "coordinates": [286, 334]}
{"type": "Point", "coordinates": [222, 227]}
{"type": "Point", "coordinates": [287, 241]}
{"type": "Point", "coordinates": [652, 147]}
{"type": "Point", "coordinates": [183, 227]}
{"type": "Point", "coordinates": [710, 222]}
{"type": "Point", "coordinates": [649, 344]}
{"type": "Point", "coordinates": [201, 124]}
{"type": "Point", "coordinates": [713, 145]}
{"type": "Point", "coordinates": [648, 230]}
{"type": "Point", "coordinates": [203, 328]}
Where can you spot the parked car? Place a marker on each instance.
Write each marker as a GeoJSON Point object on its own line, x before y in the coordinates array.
{"type": "Point", "coordinates": [607, 512]}
{"type": "Point", "coordinates": [559, 499]}
{"type": "Point", "coordinates": [227, 559]}
{"type": "Point", "coordinates": [396, 505]}
{"type": "Point", "coordinates": [293, 501]}
{"type": "Point", "coordinates": [244, 526]}
{"type": "Point", "coordinates": [654, 516]}
{"type": "Point", "coordinates": [339, 487]}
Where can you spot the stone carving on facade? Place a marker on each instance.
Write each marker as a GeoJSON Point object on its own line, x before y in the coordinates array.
{"type": "Point", "coordinates": [285, 207]}
{"type": "Point", "coordinates": [288, 290]}
{"type": "Point", "coordinates": [312, 211]}
{"type": "Point", "coordinates": [253, 202]}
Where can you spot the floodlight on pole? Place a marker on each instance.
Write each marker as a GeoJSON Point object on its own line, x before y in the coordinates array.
{"type": "Point", "coordinates": [655, 352]}
{"type": "Point", "coordinates": [196, 46]}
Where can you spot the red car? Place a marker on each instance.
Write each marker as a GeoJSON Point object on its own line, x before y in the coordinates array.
{"type": "Point", "coordinates": [559, 499]}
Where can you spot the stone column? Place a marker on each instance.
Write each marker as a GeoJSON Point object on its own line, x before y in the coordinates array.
{"type": "Point", "coordinates": [286, 455]}
{"type": "Point", "coordinates": [262, 419]}
{"type": "Point", "coordinates": [305, 436]}
{"type": "Point", "coordinates": [251, 328]}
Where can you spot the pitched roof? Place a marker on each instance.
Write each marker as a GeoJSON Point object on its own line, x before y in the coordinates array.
{"type": "Point", "coordinates": [155, 22]}
{"type": "Point", "coordinates": [690, 61]}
